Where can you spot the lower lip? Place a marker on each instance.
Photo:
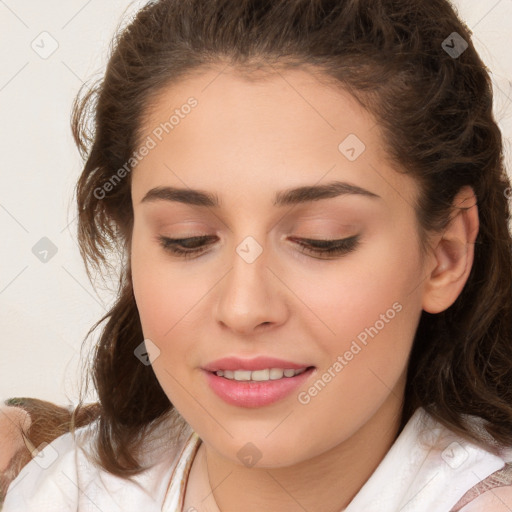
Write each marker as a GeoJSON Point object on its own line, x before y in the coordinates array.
{"type": "Point", "coordinates": [255, 394]}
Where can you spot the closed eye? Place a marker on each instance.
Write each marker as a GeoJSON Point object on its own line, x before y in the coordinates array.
{"type": "Point", "coordinates": [196, 245]}
{"type": "Point", "coordinates": [328, 247]}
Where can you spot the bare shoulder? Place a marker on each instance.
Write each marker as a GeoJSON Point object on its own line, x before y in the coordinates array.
{"type": "Point", "coordinates": [13, 421]}
{"type": "Point", "coordinates": [498, 499]}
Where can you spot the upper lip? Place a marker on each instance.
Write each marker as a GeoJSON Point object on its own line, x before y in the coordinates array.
{"type": "Point", "coordinates": [256, 363]}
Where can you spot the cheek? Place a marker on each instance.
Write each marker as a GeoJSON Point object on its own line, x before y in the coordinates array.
{"type": "Point", "coordinates": [162, 301]}
{"type": "Point", "coordinates": [157, 301]}
{"type": "Point", "coordinates": [153, 297]}
{"type": "Point", "coordinates": [161, 293]}
{"type": "Point", "coordinates": [366, 313]}
{"type": "Point", "coordinates": [168, 297]}
{"type": "Point", "coordinates": [350, 295]}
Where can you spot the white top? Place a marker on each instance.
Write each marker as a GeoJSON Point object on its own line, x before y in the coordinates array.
{"type": "Point", "coordinates": [427, 469]}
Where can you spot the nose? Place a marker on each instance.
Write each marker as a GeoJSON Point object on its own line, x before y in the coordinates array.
{"type": "Point", "coordinates": [251, 297]}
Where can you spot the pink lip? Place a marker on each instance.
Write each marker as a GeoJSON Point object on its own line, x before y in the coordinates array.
{"type": "Point", "coordinates": [252, 394]}
{"type": "Point", "coordinates": [257, 363]}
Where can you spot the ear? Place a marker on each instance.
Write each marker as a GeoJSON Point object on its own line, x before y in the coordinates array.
{"type": "Point", "coordinates": [452, 254]}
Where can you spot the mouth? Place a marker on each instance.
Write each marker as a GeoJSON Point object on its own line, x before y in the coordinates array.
{"type": "Point", "coordinates": [256, 388]}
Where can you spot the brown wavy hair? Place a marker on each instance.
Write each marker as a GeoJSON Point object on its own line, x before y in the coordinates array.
{"type": "Point", "coordinates": [436, 115]}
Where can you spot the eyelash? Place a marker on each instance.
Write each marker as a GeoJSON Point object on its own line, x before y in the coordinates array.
{"type": "Point", "coordinates": [307, 245]}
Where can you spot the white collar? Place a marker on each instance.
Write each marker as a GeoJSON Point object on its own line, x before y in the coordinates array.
{"type": "Point", "coordinates": [427, 468]}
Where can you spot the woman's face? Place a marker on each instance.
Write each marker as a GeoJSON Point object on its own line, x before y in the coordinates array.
{"type": "Point", "coordinates": [255, 289]}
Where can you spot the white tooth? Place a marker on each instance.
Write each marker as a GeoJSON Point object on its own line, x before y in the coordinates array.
{"type": "Point", "coordinates": [275, 373]}
{"type": "Point", "coordinates": [242, 375]}
{"type": "Point", "coordinates": [260, 374]}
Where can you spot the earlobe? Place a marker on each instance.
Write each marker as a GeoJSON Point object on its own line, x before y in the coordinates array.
{"type": "Point", "coordinates": [452, 254]}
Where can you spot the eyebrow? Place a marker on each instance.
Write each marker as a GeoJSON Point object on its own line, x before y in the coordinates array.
{"type": "Point", "coordinates": [287, 197]}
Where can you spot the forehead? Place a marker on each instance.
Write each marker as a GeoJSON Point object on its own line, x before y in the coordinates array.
{"type": "Point", "coordinates": [260, 132]}
{"type": "Point", "coordinates": [290, 104]}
